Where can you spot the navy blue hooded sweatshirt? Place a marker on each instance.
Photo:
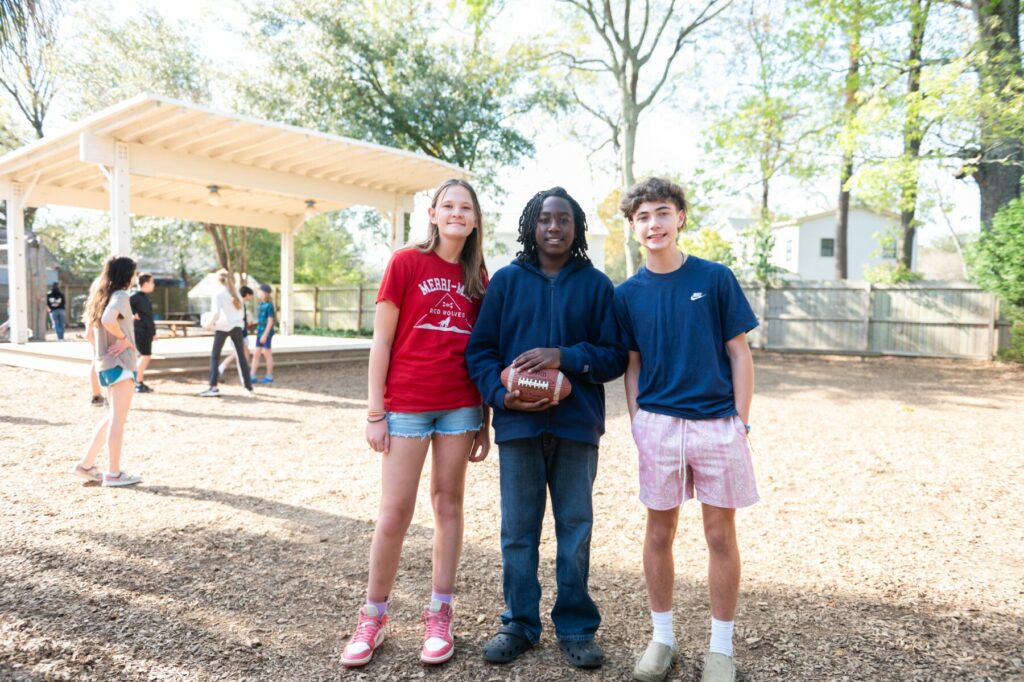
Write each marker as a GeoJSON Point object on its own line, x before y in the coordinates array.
{"type": "Point", "coordinates": [525, 309]}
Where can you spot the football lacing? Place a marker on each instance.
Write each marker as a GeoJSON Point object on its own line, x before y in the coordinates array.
{"type": "Point", "coordinates": [530, 382]}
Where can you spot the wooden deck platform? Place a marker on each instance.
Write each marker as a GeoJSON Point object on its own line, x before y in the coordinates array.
{"type": "Point", "coordinates": [175, 355]}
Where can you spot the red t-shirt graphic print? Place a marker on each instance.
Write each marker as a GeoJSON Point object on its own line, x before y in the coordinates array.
{"type": "Point", "coordinates": [435, 317]}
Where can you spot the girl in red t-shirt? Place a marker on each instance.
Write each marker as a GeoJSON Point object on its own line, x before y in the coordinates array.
{"type": "Point", "coordinates": [421, 396]}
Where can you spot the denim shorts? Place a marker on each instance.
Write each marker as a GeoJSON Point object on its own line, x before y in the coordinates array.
{"type": "Point", "coordinates": [445, 422]}
{"type": "Point", "coordinates": [114, 375]}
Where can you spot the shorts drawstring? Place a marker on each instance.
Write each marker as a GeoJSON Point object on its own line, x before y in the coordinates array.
{"type": "Point", "coordinates": [682, 455]}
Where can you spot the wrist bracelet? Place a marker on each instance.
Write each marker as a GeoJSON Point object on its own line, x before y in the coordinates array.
{"type": "Point", "coordinates": [375, 421]}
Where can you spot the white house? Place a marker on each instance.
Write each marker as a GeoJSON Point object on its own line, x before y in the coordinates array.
{"type": "Point", "coordinates": [806, 246]}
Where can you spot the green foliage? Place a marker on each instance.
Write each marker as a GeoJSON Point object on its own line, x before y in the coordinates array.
{"type": "Point", "coordinates": [891, 273]}
{"type": "Point", "coordinates": [79, 245]}
{"type": "Point", "coordinates": [996, 259]}
{"type": "Point", "coordinates": [1015, 353]}
{"type": "Point", "coordinates": [107, 62]}
{"type": "Point", "coordinates": [707, 244]}
{"type": "Point", "coordinates": [759, 242]}
{"type": "Point", "coordinates": [337, 333]}
{"type": "Point", "coordinates": [377, 71]}
{"type": "Point", "coordinates": [614, 250]}
{"type": "Point", "coordinates": [325, 252]}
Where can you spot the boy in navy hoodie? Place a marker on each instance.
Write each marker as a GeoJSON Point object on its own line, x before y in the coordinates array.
{"type": "Point", "coordinates": [551, 308]}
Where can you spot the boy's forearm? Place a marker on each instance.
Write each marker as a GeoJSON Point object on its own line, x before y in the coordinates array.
{"type": "Point", "coordinates": [632, 381]}
{"type": "Point", "coordinates": [742, 363]}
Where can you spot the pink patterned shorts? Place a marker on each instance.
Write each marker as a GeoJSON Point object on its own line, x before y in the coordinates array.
{"type": "Point", "coordinates": [679, 456]}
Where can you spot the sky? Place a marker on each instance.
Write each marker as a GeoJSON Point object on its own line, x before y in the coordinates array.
{"type": "Point", "coordinates": [668, 139]}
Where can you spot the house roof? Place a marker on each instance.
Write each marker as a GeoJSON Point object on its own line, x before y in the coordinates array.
{"type": "Point", "coordinates": [266, 173]}
{"type": "Point", "coordinates": [832, 212]}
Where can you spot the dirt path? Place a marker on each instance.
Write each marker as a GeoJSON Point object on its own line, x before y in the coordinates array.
{"type": "Point", "coordinates": [887, 544]}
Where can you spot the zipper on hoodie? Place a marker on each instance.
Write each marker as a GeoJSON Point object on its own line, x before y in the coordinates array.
{"type": "Point", "coordinates": [551, 335]}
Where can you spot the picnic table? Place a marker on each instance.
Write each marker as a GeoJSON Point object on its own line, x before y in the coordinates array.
{"type": "Point", "coordinates": [174, 325]}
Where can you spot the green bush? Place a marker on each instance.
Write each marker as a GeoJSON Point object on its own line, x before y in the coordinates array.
{"type": "Point", "coordinates": [891, 273]}
{"type": "Point", "coordinates": [996, 259]}
{"type": "Point", "coordinates": [324, 331]}
{"type": "Point", "coordinates": [1015, 353]}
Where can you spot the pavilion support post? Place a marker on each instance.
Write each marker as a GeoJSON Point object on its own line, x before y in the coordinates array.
{"type": "Point", "coordinates": [287, 279]}
{"type": "Point", "coordinates": [120, 203]}
{"type": "Point", "coordinates": [17, 264]}
{"type": "Point", "coordinates": [396, 230]}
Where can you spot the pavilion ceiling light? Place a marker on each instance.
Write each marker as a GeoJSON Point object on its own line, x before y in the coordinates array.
{"type": "Point", "coordinates": [214, 197]}
{"type": "Point", "coordinates": [310, 209]}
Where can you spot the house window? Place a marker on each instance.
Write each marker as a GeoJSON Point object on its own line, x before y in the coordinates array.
{"type": "Point", "coordinates": [889, 248]}
{"type": "Point", "coordinates": [789, 249]}
{"type": "Point", "coordinates": [828, 248]}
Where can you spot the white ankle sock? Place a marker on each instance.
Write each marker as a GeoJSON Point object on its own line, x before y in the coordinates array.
{"type": "Point", "coordinates": [663, 627]}
{"type": "Point", "coordinates": [721, 636]}
{"type": "Point", "coordinates": [221, 368]}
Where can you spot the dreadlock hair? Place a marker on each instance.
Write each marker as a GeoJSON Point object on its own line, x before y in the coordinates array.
{"type": "Point", "coordinates": [528, 226]}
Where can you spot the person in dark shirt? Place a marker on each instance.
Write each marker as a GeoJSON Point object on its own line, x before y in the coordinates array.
{"type": "Point", "coordinates": [145, 328]}
{"type": "Point", "coordinates": [58, 314]}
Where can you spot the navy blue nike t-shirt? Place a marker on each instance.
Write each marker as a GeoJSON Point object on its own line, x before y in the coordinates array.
{"type": "Point", "coordinates": [679, 323]}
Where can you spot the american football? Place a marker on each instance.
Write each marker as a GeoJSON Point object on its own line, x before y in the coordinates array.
{"type": "Point", "coordinates": [537, 385]}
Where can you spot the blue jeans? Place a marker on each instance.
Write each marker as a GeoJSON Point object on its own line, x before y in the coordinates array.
{"type": "Point", "coordinates": [529, 467]}
{"type": "Point", "coordinates": [58, 316]}
{"type": "Point", "coordinates": [444, 422]}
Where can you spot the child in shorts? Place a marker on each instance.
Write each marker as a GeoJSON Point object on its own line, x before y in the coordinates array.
{"type": "Point", "coordinates": [264, 336]}
{"type": "Point", "coordinates": [689, 385]}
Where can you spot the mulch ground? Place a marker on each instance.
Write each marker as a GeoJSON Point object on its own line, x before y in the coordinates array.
{"type": "Point", "coordinates": [887, 545]}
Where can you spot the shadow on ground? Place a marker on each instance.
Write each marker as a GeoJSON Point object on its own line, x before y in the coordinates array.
{"type": "Point", "coordinates": [218, 601]}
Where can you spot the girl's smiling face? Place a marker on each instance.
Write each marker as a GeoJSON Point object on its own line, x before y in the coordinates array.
{"type": "Point", "coordinates": [556, 228]}
{"type": "Point", "coordinates": [454, 214]}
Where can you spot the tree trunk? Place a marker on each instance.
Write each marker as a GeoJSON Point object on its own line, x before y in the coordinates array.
{"type": "Point", "coordinates": [843, 215]}
{"type": "Point", "coordinates": [627, 150]}
{"type": "Point", "coordinates": [999, 169]}
{"type": "Point", "coordinates": [846, 171]}
{"type": "Point", "coordinates": [912, 131]}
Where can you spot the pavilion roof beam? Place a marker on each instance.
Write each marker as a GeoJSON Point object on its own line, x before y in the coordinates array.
{"type": "Point", "coordinates": [228, 149]}
{"type": "Point", "coordinates": [44, 195]}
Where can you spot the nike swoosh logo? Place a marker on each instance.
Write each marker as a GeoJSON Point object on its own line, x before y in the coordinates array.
{"type": "Point", "coordinates": [696, 296]}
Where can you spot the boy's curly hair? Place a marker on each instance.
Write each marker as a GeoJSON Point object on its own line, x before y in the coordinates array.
{"type": "Point", "coordinates": [652, 189]}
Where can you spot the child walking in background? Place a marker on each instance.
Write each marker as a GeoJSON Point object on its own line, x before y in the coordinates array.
{"type": "Point", "coordinates": [420, 397]}
{"type": "Point", "coordinates": [145, 327]}
{"type": "Point", "coordinates": [109, 316]}
{"type": "Point", "coordinates": [264, 335]}
{"type": "Point", "coordinates": [689, 385]}
{"type": "Point", "coordinates": [58, 316]}
{"type": "Point", "coordinates": [227, 318]}
{"type": "Point", "coordinates": [246, 294]}
{"type": "Point", "coordinates": [550, 309]}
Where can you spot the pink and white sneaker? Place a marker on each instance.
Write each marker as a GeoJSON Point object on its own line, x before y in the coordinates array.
{"type": "Point", "coordinates": [438, 643]}
{"type": "Point", "coordinates": [368, 636]}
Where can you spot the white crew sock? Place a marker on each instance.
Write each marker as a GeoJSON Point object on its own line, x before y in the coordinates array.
{"type": "Point", "coordinates": [721, 636]}
{"type": "Point", "coordinates": [222, 368]}
{"type": "Point", "coordinates": [663, 627]}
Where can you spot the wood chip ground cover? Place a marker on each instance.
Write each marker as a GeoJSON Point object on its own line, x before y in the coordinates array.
{"type": "Point", "coordinates": [887, 545]}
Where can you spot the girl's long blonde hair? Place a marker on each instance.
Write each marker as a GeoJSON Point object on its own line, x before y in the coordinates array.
{"type": "Point", "coordinates": [117, 275]}
{"type": "Point", "coordinates": [472, 255]}
{"type": "Point", "coordinates": [225, 278]}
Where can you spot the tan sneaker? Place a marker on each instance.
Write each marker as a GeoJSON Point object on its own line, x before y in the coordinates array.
{"type": "Point", "coordinates": [656, 663]}
{"type": "Point", "coordinates": [718, 668]}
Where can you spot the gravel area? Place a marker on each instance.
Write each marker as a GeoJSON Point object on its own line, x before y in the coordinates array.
{"type": "Point", "coordinates": [887, 545]}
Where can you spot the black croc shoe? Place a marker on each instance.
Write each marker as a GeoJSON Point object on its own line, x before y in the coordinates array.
{"type": "Point", "coordinates": [582, 654]}
{"type": "Point", "coordinates": [505, 647]}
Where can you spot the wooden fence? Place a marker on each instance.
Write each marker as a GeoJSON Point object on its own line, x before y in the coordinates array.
{"type": "Point", "coordinates": [936, 319]}
{"type": "Point", "coordinates": [334, 307]}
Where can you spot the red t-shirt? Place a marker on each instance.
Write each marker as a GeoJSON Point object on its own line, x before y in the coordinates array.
{"type": "Point", "coordinates": [435, 316]}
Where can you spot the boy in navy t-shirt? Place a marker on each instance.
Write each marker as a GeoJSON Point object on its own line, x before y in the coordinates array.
{"type": "Point", "coordinates": [689, 385]}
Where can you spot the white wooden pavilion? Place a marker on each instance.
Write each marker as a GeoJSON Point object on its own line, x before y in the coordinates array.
{"type": "Point", "coordinates": [162, 157]}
